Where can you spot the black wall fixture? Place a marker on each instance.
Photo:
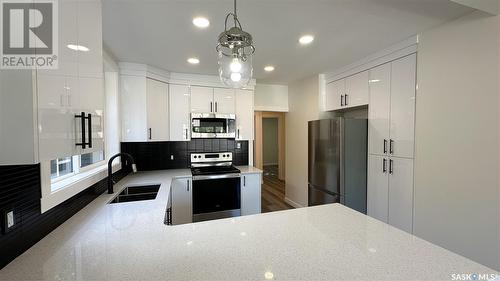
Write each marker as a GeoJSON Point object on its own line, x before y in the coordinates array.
{"type": "Point", "coordinates": [20, 191]}
{"type": "Point", "coordinates": [176, 154]}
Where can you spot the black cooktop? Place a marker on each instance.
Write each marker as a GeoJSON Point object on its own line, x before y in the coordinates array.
{"type": "Point", "coordinates": [214, 170]}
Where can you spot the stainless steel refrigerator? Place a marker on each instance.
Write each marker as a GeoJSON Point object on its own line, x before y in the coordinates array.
{"type": "Point", "coordinates": [338, 162]}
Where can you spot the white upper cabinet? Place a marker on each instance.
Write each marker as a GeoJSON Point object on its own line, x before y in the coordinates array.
{"type": "Point", "coordinates": [335, 95]}
{"type": "Point", "coordinates": [403, 106]}
{"type": "Point", "coordinates": [133, 108]}
{"type": "Point", "coordinates": [400, 193]}
{"type": "Point", "coordinates": [157, 110]}
{"type": "Point", "coordinates": [356, 93]}
{"type": "Point", "coordinates": [379, 109]}
{"type": "Point", "coordinates": [224, 101]}
{"type": "Point", "coordinates": [244, 115]}
{"type": "Point", "coordinates": [202, 99]}
{"type": "Point", "coordinates": [179, 110]}
{"type": "Point", "coordinates": [90, 36]}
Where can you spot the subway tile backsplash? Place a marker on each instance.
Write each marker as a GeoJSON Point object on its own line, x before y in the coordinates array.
{"type": "Point", "coordinates": [176, 154]}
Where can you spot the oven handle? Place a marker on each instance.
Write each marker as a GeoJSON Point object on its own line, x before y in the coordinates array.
{"type": "Point", "coordinates": [214, 177]}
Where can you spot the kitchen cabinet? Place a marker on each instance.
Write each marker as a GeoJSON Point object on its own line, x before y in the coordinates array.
{"type": "Point", "coordinates": [403, 84]}
{"type": "Point", "coordinates": [202, 99]}
{"type": "Point", "coordinates": [157, 110]}
{"type": "Point", "coordinates": [179, 110]}
{"type": "Point", "coordinates": [390, 190]}
{"type": "Point", "coordinates": [244, 115]}
{"type": "Point", "coordinates": [335, 95]}
{"type": "Point", "coordinates": [356, 90]}
{"type": "Point", "coordinates": [224, 101]}
{"type": "Point", "coordinates": [181, 201]}
{"type": "Point", "coordinates": [379, 109]}
{"type": "Point", "coordinates": [90, 36]}
{"type": "Point", "coordinates": [250, 194]}
{"type": "Point", "coordinates": [391, 115]}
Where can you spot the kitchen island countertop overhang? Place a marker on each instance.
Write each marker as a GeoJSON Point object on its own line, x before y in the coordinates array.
{"type": "Point", "coordinates": [128, 241]}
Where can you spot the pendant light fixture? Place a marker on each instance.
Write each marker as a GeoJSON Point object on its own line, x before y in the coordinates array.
{"type": "Point", "coordinates": [235, 49]}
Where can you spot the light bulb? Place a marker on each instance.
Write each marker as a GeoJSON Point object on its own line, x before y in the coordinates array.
{"type": "Point", "coordinates": [235, 65]}
{"type": "Point", "coordinates": [235, 76]}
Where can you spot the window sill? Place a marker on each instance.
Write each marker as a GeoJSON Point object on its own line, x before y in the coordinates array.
{"type": "Point", "coordinates": [54, 194]}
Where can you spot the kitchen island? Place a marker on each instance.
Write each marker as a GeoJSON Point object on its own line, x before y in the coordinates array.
{"type": "Point", "coordinates": [128, 241]}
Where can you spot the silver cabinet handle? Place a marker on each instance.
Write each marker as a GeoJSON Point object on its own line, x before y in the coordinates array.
{"type": "Point", "coordinates": [211, 107]}
{"type": "Point", "coordinates": [391, 148]}
{"type": "Point", "coordinates": [188, 185]}
{"type": "Point", "coordinates": [384, 166]}
{"type": "Point", "coordinates": [341, 100]}
{"type": "Point", "coordinates": [390, 167]}
{"type": "Point", "coordinates": [150, 133]}
{"type": "Point", "coordinates": [216, 106]}
{"type": "Point", "coordinates": [238, 133]}
{"type": "Point", "coordinates": [244, 181]}
{"type": "Point", "coordinates": [345, 99]}
{"type": "Point", "coordinates": [185, 134]}
{"type": "Point", "coordinates": [385, 146]}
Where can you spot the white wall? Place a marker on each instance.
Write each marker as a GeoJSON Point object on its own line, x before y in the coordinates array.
{"type": "Point", "coordinates": [271, 97]}
{"type": "Point", "coordinates": [270, 141]}
{"type": "Point", "coordinates": [457, 196]}
{"type": "Point", "coordinates": [304, 106]}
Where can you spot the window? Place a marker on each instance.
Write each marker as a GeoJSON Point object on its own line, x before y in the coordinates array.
{"type": "Point", "coordinates": [66, 167]}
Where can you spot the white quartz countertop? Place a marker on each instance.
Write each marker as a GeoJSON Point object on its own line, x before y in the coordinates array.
{"type": "Point", "coordinates": [128, 241]}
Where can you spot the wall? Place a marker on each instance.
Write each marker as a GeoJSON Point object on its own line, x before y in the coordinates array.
{"type": "Point", "coordinates": [457, 138]}
{"type": "Point", "coordinates": [271, 97]}
{"type": "Point", "coordinates": [304, 106]}
{"type": "Point", "coordinates": [270, 141]}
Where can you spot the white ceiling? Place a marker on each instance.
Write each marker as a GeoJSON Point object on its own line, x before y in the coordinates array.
{"type": "Point", "coordinates": [160, 33]}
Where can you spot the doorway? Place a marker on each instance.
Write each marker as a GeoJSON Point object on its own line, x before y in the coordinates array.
{"type": "Point", "coordinates": [270, 157]}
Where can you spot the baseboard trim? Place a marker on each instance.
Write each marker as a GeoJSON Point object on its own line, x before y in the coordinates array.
{"type": "Point", "coordinates": [293, 203]}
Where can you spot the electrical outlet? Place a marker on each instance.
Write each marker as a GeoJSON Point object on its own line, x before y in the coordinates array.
{"type": "Point", "coordinates": [172, 157]}
{"type": "Point", "coordinates": [10, 219]}
{"type": "Point", "coordinates": [238, 145]}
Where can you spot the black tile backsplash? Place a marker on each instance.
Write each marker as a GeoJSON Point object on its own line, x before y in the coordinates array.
{"type": "Point", "coordinates": [20, 190]}
{"type": "Point", "coordinates": [158, 155]}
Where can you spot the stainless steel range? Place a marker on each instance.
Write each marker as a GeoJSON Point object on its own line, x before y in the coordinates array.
{"type": "Point", "coordinates": [216, 186]}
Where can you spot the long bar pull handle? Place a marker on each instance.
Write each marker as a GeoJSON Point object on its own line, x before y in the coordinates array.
{"type": "Point", "coordinates": [391, 146]}
{"type": "Point", "coordinates": [150, 133]}
{"type": "Point", "coordinates": [346, 99]}
{"type": "Point", "coordinates": [188, 185]}
{"type": "Point", "coordinates": [385, 146]}
{"type": "Point", "coordinates": [216, 106]}
{"type": "Point", "coordinates": [341, 100]}
{"type": "Point", "coordinates": [89, 119]}
{"type": "Point", "coordinates": [244, 181]}
{"type": "Point", "coordinates": [391, 166]}
{"type": "Point", "coordinates": [211, 107]}
{"type": "Point", "coordinates": [238, 133]}
{"type": "Point", "coordinates": [384, 166]}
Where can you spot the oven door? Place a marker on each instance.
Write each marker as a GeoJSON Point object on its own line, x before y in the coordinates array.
{"type": "Point", "coordinates": [215, 197]}
{"type": "Point", "coordinates": [210, 125]}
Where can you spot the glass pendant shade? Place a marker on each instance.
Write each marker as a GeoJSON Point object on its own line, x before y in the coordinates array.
{"type": "Point", "coordinates": [235, 72]}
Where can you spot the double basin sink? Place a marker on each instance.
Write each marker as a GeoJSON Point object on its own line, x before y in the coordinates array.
{"type": "Point", "coordinates": [137, 193]}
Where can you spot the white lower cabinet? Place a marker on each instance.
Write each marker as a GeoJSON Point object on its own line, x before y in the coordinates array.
{"type": "Point", "coordinates": [181, 193]}
{"type": "Point", "coordinates": [250, 194]}
{"type": "Point", "coordinates": [180, 112]}
{"type": "Point", "coordinates": [390, 191]}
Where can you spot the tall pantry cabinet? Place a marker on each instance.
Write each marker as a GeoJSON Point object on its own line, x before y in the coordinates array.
{"type": "Point", "coordinates": [391, 127]}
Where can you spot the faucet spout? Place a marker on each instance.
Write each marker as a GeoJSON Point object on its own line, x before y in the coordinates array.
{"type": "Point", "coordinates": [110, 170]}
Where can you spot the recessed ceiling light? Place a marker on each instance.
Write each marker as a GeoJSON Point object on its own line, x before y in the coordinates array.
{"type": "Point", "coordinates": [306, 39]}
{"type": "Point", "coordinates": [193, 60]}
{"type": "Point", "coordinates": [269, 68]}
{"type": "Point", "coordinates": [78, 48]}
{"type": "Point", "coordinates": [201, 22]}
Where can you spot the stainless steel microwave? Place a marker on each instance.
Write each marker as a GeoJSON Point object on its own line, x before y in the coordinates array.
{"type": "Point", "coordinates": [213, 125]}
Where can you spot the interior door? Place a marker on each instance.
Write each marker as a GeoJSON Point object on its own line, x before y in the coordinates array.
{"type": "Point", "coordinates": [379, 109]}
{"type": "Point", "coordinates": [157, 110]}
{"type": "Point", "coordinates": [401, 194]}
{"type": "Point", "coordinates": [334, 94]}
{"type": "Point", "coordinates": [378, 187]}
{"type": "Point", "coordinates": [179, 110]}
{"type": "Point", "coordinates": [224, 100]}
{"type": "Point", "coordinates": [356, 90]}
{"type": "Point", "coordinates": [202, 99]}
{"type": "Point", "coordinates": [403, 106]}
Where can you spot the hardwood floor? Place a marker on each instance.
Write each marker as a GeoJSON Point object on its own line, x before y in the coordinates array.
{"type": "Point", "coordinates": [273, 191]}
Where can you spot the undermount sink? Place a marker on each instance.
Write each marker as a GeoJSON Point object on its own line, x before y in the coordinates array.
{"type": "Point", "coordinates": [137, 193]}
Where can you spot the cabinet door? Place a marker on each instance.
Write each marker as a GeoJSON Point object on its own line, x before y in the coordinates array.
{"type": "Point", "coordinates": [224, 100]}
{"type": "Point", "coordinates": [202, 99]}
{"type": "Point", "coordinates": [401, 194]}
{"type": "Point", "coordinates": [182, 201]}
{"type": "Point", "coordinates": [90, 99]}
{"type": "Point", "coordinates": [356, 90]}
{"type": "Point", "coordinates": [377, 190]}
{"type": "Point", "coordinates": [378, 111]}
{"type": "Point", "coordinates": [157, 110]}
{"type": "Point", "coordinates": [403, 106]}
{"type": "Point", "coordinates": [244, 115]}
{"type": "Point", "coordinates": [250, 194]}
{"type": "Point", "coordinates": [179, 110]}
{"type": "Point", "coordinates": [133, 108]}
{"type": "Point", "coordinates": [90, 62]}
{"type": "Point", "coordinates": [335, 95]}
